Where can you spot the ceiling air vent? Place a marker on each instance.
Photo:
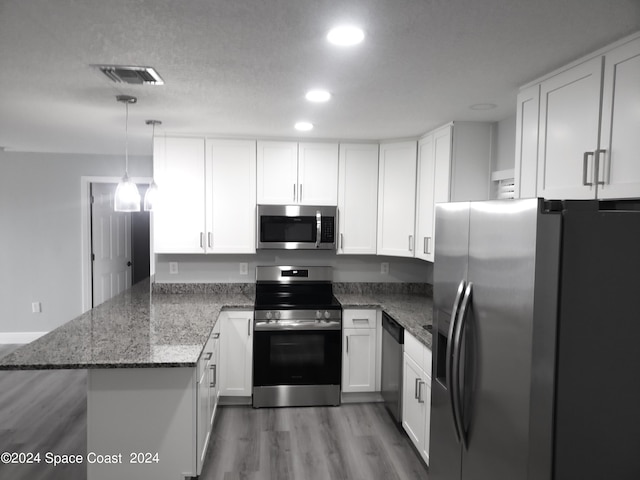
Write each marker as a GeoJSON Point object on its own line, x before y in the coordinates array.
{"type": "Point", "coordinates": [131, 75]}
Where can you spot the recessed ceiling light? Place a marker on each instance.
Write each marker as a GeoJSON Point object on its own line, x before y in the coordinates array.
{"type": "Point", "coordinates": [345, 35]}
{"type": "Point", "coordinates": [318, 96]}
{"type": "Point", "coordinates": [483, 106]}
{"type": "Point", "coordinates": [303, 126]}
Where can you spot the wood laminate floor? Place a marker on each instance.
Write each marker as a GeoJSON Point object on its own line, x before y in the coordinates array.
{"type": "Point", "coordinates": [45, 411]}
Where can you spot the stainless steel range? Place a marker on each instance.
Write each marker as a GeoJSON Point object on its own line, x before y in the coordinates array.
{"type": "Point", "coordinates": [297, 341]}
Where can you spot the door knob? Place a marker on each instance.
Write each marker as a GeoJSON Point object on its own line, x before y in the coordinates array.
{"type": "Point", "coordinates": [129, 264]}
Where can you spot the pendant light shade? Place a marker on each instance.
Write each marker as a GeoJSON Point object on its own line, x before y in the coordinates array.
{"type": "Point", "coordinates": [150, 198]}
{"type": "Point", "coordinates": [127, 198]}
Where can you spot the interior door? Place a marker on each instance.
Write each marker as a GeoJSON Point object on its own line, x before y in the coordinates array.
{"type": "Point", "coordinates": [110, 245]}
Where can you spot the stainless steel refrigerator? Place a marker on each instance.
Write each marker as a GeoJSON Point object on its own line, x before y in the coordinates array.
{"type": "Point", "coordinates": [536, 341]}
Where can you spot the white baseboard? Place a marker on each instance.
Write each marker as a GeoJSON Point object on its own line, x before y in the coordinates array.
{"type": "Point", "coordinates": [19, 337]}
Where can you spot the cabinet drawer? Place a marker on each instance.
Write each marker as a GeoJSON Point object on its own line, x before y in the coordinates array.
{"type": "Point", "coordinates": [356, 318]}
{"type": "Point", "coordinates": [418, 352]}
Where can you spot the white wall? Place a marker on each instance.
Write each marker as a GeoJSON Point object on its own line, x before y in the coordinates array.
{"type": "Point", "coordinates": [40, 234]}
{"type": "Point", "coordinates": [347, 268]}
{"type": "Point", "coordinates": [505, 157]}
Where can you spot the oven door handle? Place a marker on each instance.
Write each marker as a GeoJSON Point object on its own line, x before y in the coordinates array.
{"type": "Point", "coordinates": [264, 326]}
{"type": "Point", "coordinates": [318, 227]}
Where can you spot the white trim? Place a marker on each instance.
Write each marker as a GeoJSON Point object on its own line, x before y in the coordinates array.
{"type": "Point", "coordinates": [19, 337]}
{"type": "Point", "coordinates": [85, 230]}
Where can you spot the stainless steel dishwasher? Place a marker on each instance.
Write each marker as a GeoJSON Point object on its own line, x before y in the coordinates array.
{"type": "Point", "coordinates": [392, 349]}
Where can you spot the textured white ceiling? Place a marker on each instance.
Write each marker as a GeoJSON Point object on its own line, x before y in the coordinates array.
{"type": "Point", "coordinates": [242, 67]}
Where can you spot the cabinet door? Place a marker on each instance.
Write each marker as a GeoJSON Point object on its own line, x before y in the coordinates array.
{"type": "Point", "coordinates": [179, 219]}
{"type": "Point", "coordinates": [236, 350]}
{"type": "Point", "coordinates": [318, 173]}
{"type": "Point", "coordinates": [412, 410]}
{"type": "Point", "coordinates": [231, 196]}
{"type": "Point", "coordinates": [277, 173]}
{"type": "Point", "coordinates": [424, 201]}
{"type": "Point", "coordinates": [359, 360]}
{"type": "Point", "coordinates": [620, 139]}
{"type": "Point", "coordinates": [397, 197]}
{"type": "Point", "coordinates": [569, 121]}
{"type": "Point", "coordinates": [425, 397]}
{"type": "Point", "coordinates": [358, 198]}
{"type": "Point", "coordinates": [527, 120]}
{"type": "Point", "coordinates": [214, 372]}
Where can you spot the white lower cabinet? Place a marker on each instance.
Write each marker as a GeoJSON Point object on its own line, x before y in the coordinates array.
{"type": "Point", "coordinates": [236, 353]}
{"type": "Point", "coordinates": [207, 395]}
{"type": "Point", "coordinates": [416, 393]}
{"type": "Point", "coordinates": [360, 351]}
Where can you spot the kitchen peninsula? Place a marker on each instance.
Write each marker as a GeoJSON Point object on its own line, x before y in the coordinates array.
{"type": "Point", "coordinates": [143, 350]}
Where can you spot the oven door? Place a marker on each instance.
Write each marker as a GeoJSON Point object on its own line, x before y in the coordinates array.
{"type": "Point", "coordinates": [297, 357]}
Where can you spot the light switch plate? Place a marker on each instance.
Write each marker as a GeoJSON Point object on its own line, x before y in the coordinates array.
{"type": "Point", "coordinates": [244, 269]}
{"type": "Point", "coordinates": [384, 268]}
{"type": "Point", "coordinates": [173, 268]}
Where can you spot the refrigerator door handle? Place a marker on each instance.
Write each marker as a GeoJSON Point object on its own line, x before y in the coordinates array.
{"type": "Point", "coordinates": [450, 354]}
{"type": "Point", "coordinates": [456, 367]}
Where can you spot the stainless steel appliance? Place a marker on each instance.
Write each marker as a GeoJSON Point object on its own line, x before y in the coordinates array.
{"type": "Point", "coordinates": [391, 382]}
{"type": "Point", "coordinates": [536, 354]}
{"type": "Point", "coordinates": [297, 344]}
{"type": "Point", "coordinates": [296, 227]}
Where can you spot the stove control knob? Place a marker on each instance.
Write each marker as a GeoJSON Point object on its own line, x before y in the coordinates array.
{"type": "Point", "coordinates": [327, 315]}
{"type": "Point", "coordinates": [269, 316]}
{"type": "Point", "coordinates": [277, 314]}
{"type": "Point", "coordinates": [318, 314]}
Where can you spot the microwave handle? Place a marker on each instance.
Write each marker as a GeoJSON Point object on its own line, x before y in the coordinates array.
{"type": "Point", "coordinates": [318, 227]}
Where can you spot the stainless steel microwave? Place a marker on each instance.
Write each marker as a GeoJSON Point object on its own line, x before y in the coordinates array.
{"type": "Point", "coordinates": [296, 227]}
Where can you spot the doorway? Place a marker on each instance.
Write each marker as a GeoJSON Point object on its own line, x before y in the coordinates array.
{"type": "Point", "coordinates": [117, 244]}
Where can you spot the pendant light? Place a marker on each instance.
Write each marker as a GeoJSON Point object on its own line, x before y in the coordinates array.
{"type": "Point", "coordinates": [152, 192]}
{"type": "Point", "coordinates": [127, 198]}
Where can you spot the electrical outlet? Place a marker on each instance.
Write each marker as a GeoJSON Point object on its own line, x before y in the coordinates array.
{"type": "Point", "coordinates": [384, 268]}
{"type": "Point", "coordinates": [244, 269]}
{"type": "Point", "coordinates": [173, 268]}
{"type": "Point", "coordinates": [36, 307]}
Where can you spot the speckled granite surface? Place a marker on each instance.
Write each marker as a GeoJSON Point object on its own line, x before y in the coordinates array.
{"type": "Point", "coordinates": [411, 310]}
{"type": "Point", "coordinates": [135, 329]}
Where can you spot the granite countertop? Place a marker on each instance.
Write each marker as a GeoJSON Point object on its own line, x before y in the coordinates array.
{"type": "Point", "coordinates": [138, 328]}
{"type": "Point", "coordinates": [411, 310]}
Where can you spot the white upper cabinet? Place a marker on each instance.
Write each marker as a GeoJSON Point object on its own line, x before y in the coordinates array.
{"type": "Point", "coordinates": [207, 197]}
{"type": "Point", "coordinates": [179, 218]}
{"type": "Point", "coordinates": [569, 121]}
{"type": "Point", "coordinates": [424, 198]}
{"type": "Point", "coordinates": [587, 131]}
{"type": "Point", "coordinates": [318, 173]}
{"type": "Point", "coordinates": [358, 198]}
{"type": "Point", "coordinates": [277, 172]}
{"type": "Point", "coordinates": [454, 164]}
{"type": "Point", "coordinates": [397, 199]}
{"type": "Point", "coordinates": [620, 133]}
{"type": "Point", "coordinates": [291, 173]}
{"type": "Point", "coordinates": [526, 167]}
{"type": "Point", "coordinates": [231, 196]}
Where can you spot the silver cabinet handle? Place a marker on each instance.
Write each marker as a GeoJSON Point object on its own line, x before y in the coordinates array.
{"type": "Point", "coordinates": [347, 344]}
{"type": "Point", "coordinates": [416, 388]}
{"type": "Point", "coordinates": [201, 239]}
{"type": "Point", "coordinates": [300, 194]}
{"type": "Point", "coordinates": [342, 242]}
{"type": "Point", "coordinates": [215, 375]}
{"type": "Point", "coordinates": [294, 192]}
{"type": "Point", "coordinates": [420, 399]}
{"type": "Point", "coordinates": [411, 243]}
{"type": "Point", "coordinates": [585, 163]}
{"type": "Point", "coordinates": [210, 238]}
{"type": "Point", "coordinates": [248, 327]}
{"type": "Point", "coordinates": [597, 168]}
{"type": "Point", "coordinates": [216, 336]}
{"type": "Point", "coordinates": [427, 244]}
{"type": "Point", "coordinates": [208, 356]}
